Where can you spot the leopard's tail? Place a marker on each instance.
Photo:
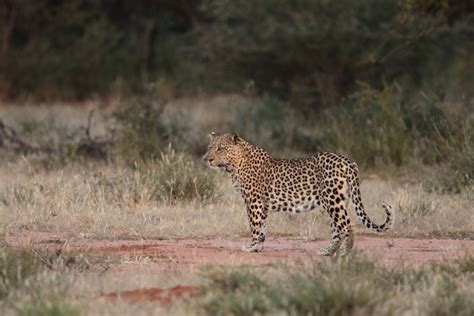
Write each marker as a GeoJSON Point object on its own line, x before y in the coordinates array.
{"type": "Point", "coordinates": [354, 191]}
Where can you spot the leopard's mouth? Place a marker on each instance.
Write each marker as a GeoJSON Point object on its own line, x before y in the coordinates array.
{"type": "Point", "coordinates": [221, 165]}
{"type": "Point", "coordinates": [225, 166]}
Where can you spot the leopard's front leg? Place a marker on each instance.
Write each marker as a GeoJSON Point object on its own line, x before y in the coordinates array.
{"type": "Point", "coordinates": [257, 219]}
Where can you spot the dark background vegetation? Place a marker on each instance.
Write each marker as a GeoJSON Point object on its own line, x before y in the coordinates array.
{"type": "Point", "coordinates": [388, 82]}
{"type": "Point", "coordinates": [310, 51]}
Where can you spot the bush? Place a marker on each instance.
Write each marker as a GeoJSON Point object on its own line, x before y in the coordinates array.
{"type": "Point", "coordinates": [15, 268]}
{"type": "Point", "coordinates": [274, 125]}
{"type": "Point", "coordinates": [143, 131]}
{"type": "Point", "coordinates": [174, 177]}
{"type": "Point", "coordinates": [37, 281]}
{"type": "Point", "coordinates": [458, 170]}
{"type": "Point", "coordinates": [170, 178]}
{"type": "Point", "coordinates": [369, 126]}
{"type": "Point", "coordinates": [315, 51]}
{"type": "Point", "coordinates": [342, 286]}
{"type": "Point", "coordinates": [266, 122]}
{"type": "Point", "coordinates": [49, 308]}
{"type": "Point", "coordinates": [383, 127]}
{"type": "Point", "coordinates": [19, 265]}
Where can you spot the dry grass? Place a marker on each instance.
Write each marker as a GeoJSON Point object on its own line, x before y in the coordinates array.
{"type": "Point", "coordinates": [347, 286]}
{"type": "Point", "coordinates": [87, 201]}
{"type": "Point", "coordinates": [109, 200]}
{"type": "Point", "coordinates": [356, 286]}
{"type": "Point", "coordinates": [353, 285]}
{"type": "Point", "coordinates": [102, 200]}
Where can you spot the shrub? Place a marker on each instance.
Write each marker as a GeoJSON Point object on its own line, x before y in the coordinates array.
{"type": "Point", "coordinates": [272, 124]}
{"type": "Point", "coordinates": [51, 142]}
{"type": "Point", "coordinates": [238, 293]}
{"type": "Point", "coordinates": [170, 178]}
{"type": "Point", "coordinates": [19, 265]}
{"type": "Point", "coordinates": [458, 172]}
{"type": "Point", "coordinates": [15, 268]}
{"type": "Point", "coordinates": [341, 286]}
{"type": "Point", "coordinates": [383, 127]}
{"type": "Point", "coordinates": [49, 308]}
{"type": "Point", "coordinates": [369, 126]}
{"type": "Point", "coordinates": [143, 131]}
{"type": "Point", "coordinates": [460, 266]}
{"type": "Point", "coordinates": [37, 281]}
{"type": "Point", "coordinates": [317, 290]}
{"type": "Point", "coordinates": [315, 51]}
{"type": "Point", "coordinates": [175, 177]}
{"type": "Point", "coordinates": [267, 122]}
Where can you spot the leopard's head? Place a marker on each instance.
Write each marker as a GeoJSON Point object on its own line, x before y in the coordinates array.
{"type": "Point", "coordinates": [225, 151]}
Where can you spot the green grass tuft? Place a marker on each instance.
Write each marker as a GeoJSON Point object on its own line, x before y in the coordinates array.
{"type": "Point", "coordinates": [55, 308]}
{"type": "Point", "coordinates": [343, 286]}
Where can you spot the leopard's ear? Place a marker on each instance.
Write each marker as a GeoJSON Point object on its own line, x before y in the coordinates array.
{"type": "Point", "coordinates": [236, 138]}
{"type": "Point", "coordinates": [211, 135]}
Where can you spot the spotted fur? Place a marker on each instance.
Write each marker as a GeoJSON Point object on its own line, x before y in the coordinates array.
{"type": "Point", "coordinates": [270, 184]}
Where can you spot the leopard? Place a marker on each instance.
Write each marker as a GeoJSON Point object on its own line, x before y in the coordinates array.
{"type": "Point", "coordinates": [267, 184]}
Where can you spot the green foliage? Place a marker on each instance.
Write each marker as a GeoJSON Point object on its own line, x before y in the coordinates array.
{"type": "Point", "coordinates": [238, 293]}
{"type": "Point", "coordinates": [173, 177]}
{"type": "Point", "coordinates": [22, 195]}
{"type": "Point", "coordinates": [315, 51]}
{"type": "Point", "coordinates": [418, 209]}
{"type": "Point", "coordinates": [460, 266]}
{"type": "Point", "coordinates": [449, 300]}
{"type": "Point", "coordinates": [312, 51]}
{"type": "Point", "coordinates": [143, 131]}
{"type": "Point", "coordinates": [458, 172]}
{"type": "Point", "coordinates": [33, 281]}
{"type": "Point", "coordinates": [15, 268]}
{"type": "Point", "coordinates": [383, 127]}
{"type": "Point", "coordinates": [54, 143]}
{"type": "Point", "coordinates": [343, 286]}
{"type": "Point", "coordinates": [369, 126]}
{"type": "Point", "coordinates": [74, 49]}
{"type": "Point", "coordinates": [47, 308]}
{"type": "Point", "coordinates": [266, 122]}
{"type": "Point", "coordinates": [275, 126]}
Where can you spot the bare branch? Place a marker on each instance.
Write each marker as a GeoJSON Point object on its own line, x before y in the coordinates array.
{"type": "Point", "coordinates": [89, 124]}
{"type": "Point", "coordinates": [440, 18]}
{"type": "Point", "coordinates": [83, 142]}
{"type": "Point", "coordinates": [9, 139]}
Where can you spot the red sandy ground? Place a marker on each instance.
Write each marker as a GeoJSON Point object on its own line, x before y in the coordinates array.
{"type": "Point", "coordinates": [173, 254]}
{"type": "Point", "coordinates": [159, 255]}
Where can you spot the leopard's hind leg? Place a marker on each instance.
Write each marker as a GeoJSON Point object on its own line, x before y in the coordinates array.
{"type": "Point", "coordinates": [336, 204]}
{"type": "Point", "coordinates": [348, 233]}
{"type": "Point", "coordinates": [336, 233]}
{"type": "Point", "coordinates": [335, 241]}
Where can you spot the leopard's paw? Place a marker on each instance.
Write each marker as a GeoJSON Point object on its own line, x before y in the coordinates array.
{"type": "Point", "coordinates": [253, 247]}
{"type": "Point", "coordinates": [326, 251]}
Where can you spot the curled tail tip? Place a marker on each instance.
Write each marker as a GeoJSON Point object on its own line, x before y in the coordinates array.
{"type": "Point", "coordinates": [389, 221]}
{"type": "Point", "coordinates": [387, 207]}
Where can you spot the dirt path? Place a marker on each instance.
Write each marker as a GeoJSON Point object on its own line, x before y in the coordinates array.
{"type": "Point", "coordinates": [172, 254]}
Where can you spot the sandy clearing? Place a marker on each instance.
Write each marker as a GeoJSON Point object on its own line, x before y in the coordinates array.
{"type": "Point", "coordinates": [184, 253]}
